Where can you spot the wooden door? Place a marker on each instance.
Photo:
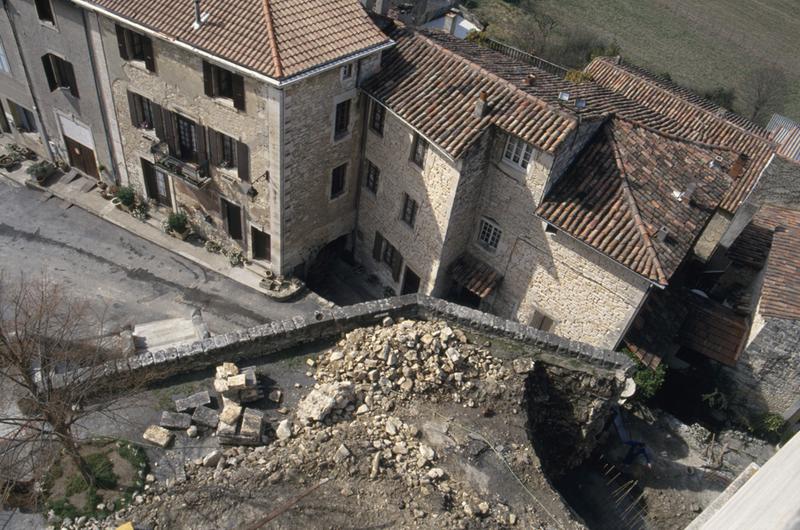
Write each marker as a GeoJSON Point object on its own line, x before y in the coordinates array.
{"type": "Point", "coordinates": [156, 183]}
{"type": "Point", "coordinates": [410, 282]}
{"type": "Point", "coordinates": [233, 219]}
{"type": "Point", "coordinates": [81, 157]}
{"type": "Point", "coordinates": [261, 244]}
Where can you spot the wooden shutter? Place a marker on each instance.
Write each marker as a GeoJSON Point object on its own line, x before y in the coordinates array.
{"type": "Point", "coordinates": [208, 79]}
{"type": "Point", "coordinates": [214, 148]}
{"type": "Point", "coordinates": [158, 121]}
{"type": "Point", "coordinates": [243, 161]}
{"type": "Point", "coordinates": [377, 248]}
{"type": "Point", "coordinates": [149, 56]}
{"type": "Point", "coordinates": [149, 173]}
{"type": "Point", "coordinates": [69, 72]}
{"type": "Point", "coordinates": [170, 135]}
{"type": "Point", "coordinates": [48, 72]}
{"type": "Point", "coordinates": [237, 83]}
{"type": "Point", "coordinates": [397, 265]}
{"type": "Point", "coordinates": [136, 113]}
{"type": "Point", "coordinates": [202, 152]}
{"type": "Point", "coordinates": [123, 48]}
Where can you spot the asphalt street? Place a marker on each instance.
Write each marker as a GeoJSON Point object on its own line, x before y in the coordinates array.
{"type": "Point", "coordinates": [131, 279]}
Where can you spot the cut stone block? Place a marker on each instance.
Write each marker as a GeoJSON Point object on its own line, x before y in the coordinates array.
{"type": "Point", "coordinates": [226, 370]}
{"type": "Point", "coordinates": [158, 436]}
{"type": "Point", "coordinates": [250, 394]}
{"type": "Point", "coordinates": [252, 424]}
{"type": "Point", "coordinates": [250, 376]}
{"type": "Point", "coordinates": [206, 416]}
{"type": "Point", "coordinates": [175, 420]}
{"type": "Point", "coordinates": [230, 411]}
{"type": "Point", "coordinates": [221, 385]}
{"type": "Point", "coordinates": [195, 400]}
{"type": "Point", "coordinates": [237, 382]}
{"type": "Point", "coordinates": [226, 429]}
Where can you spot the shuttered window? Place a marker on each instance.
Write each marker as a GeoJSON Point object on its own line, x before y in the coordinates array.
{"type": "Point", "coordinates": [418, 150]}
{"type": "Point", "coordinates": [377, 117]}
{"type": "Point", "coordinates": [60, 74]}
{"type": "Point", "coordinates": [383, 251]}
{"type": "Point", "coordinates": [228, 153]}
{"type": "Point", "coordinates": [141, 110]}
{"type": "Point", "coordinates": [341, 124]}
{"type": "Point", "coordinates": [373, 174]}
{"type": "Point", "coordinates": [221, 83]}
{"type": "Point", "coordinates": [135, 47]}
{"type": "Point", "coordinates": [409, 210]}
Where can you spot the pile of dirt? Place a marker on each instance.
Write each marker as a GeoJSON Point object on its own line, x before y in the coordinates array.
{"type": "Point", "coordinates": [400, 431]}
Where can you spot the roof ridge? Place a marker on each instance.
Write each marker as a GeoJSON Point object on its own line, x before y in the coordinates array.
{"type": "Point", "coordinates": [637, 218]}
{"type": "Point", "coordinates": [473, 65]}
{"type": "Point", "coordinates": [618, 66]}
{"type": "Point", "coordinates": [273, 40]}
{"type": "Point", "coordinates": [676, 137]}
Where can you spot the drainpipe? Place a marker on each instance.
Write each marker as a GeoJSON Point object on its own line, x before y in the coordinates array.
{"type": "Point", "coordinates": [366, 104]}
{"type": "Point", "coordinates": [43, 129]}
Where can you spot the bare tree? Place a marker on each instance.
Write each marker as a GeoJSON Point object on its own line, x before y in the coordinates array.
{"type": "Point", "coordinates": [764, 92]}
{"type": "Point", "coordinates": [54, 352]}
{"type": "Point", "coordinates": [546, 25]}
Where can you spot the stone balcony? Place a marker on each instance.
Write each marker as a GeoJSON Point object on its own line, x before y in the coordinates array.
{"type": "Point", "coordinates": [196, 174]}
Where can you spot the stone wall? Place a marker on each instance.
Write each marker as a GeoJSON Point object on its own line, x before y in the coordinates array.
{"type": "Point", "coordinates": [177, 85]}
{"type": "Point", "coordinates": [66, 39]}
{"type": "Point", "coordinates": [433, 187]}
{"type": "Point", "coordinates": [311, 218]}
{"type": "Point", "coordinates": [767, 375]}
{"type": "Point", "coordinates": [274, 337]}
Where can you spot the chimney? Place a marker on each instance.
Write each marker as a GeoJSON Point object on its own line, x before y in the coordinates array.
{"type": "Point", "coordinates": [737, 168]}
{"type": "Point", "coordinates": [199, 17]}
{"type": "Point", "coordinates": [662, 234]}
{"type": "Point", "coordinates": [450, 22]}
{"type": "Point", "coordinates": [482, 105]}
{"type": "Point", "coordinates": [530, 80]}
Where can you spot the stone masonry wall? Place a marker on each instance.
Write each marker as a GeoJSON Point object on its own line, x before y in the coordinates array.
{"type": "Point", "coordinates": [177, 85]}
{"type": "Point", "coordinates": [311, 219]}
{"type": "Point", "coordinates": [433, 187]}
{"type": "Point", "coordinates": [274, 337]}
{"type": "Point", "coordinates": [591, 298]}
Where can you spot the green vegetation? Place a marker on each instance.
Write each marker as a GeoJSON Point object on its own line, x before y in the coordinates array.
{"type": "Point", "coordinates": [178, 221]}
{"type": "Point", "coordinates": [126, 195]}
{"type": "Point", "coordinates": [716, 47]}
{"type": "Point", "coordinates": [648, 381]}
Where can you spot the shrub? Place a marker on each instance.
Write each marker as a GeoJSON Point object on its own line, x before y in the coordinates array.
{"type": "Point", "coordinates": [126, 195]}
{"type": "Point", "coordinates": [648, 381]}
{"type": "Point", "coordinates": [41, 170]}
{"type": "Point", "coordinates": [141, 211]}
{"type": "Point", "coordinates": [178, 222]}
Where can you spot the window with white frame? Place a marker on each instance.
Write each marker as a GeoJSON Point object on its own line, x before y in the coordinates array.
{"type": "Point", "coordinates": [489, 234]}
{"type": "Point", "coordinates": [4, 66]}
{"type": "Point", "coordinates": [517, 152]}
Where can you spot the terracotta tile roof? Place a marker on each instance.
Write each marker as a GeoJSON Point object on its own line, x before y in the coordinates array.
{"type": "Point", "coordinates": [618, 195]}
{"type": "Point", "coordinates": [277, 38]}
{"type": "Point", "coordinates": [714, 330]}
{"type": "Point", "coordinates": [683, 113]}
{"type": "Point", "coordinates": [780, 294]}
{"type": "Point", "coordinates": [751, 248]}
{"type": "Point", "coordinates": [436, 89]}
{"type": "Point", "coordinates": [475, 275]}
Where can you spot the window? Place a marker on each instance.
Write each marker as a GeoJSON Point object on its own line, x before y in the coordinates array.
{"type": "Point", "coordinates": [141, 110]}
{"type": "Point", "coordinates": [517, 152]}
{"type": "Point", "coordinates": [23, 118]}
{"type": "Point", "coordinates": [60, 74]}
{"type": "Point", "coordinates": [373, 173]}
{"type": "Point", "coordinates": [489, 234]}
{"type": "Point", "coordinates": [347, 71]}
{"type": "Point", "coordinates": [187, 139]}
{"type": "Point", "coordinates": [221, 83]}
{"type": "Point", "coordinates": [4, 66]}
{"type": "Point", "coordinates": [418, 150]}
{"type": "Point", "coordinates": [542, 321]}
{"type": "Point", "coordinates": [45, 11]}
{"type": "Point", "coordinates": [409, 210]}
{"type": "Point", "coordinates": [377, 117]}
{"type": "Point", "coordinates": [383, 251]}
{"type": "Point", "coordinates": [229, 153]}
{"type": "Point", "coordinates": [135, 47]}
{"type": "Point", "coordinates": [341, 123]}
{"type": "Point", "coordinates": [337, 180]}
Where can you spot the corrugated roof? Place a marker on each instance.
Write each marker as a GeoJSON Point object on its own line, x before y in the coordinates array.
{"type": "Point", "coordinates": [277, 38]}
{"type": "Point", "coordinates": [786, 133]}
{"type": "Point", "coordinates": [619, 193]}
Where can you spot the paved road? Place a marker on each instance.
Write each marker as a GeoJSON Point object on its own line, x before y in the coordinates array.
{"type": "Point", "coordinates": [135, 280]}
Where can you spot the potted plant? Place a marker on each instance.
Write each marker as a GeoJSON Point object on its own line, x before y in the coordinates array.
{"type": "Point", "coordinates": [178, 224]}
{"type": "Point", "coordinates": [7, 162]}
{"type": "Point", "coordinates": [41, 170]}
{"type": "Point", "coordinates": [124, 198]}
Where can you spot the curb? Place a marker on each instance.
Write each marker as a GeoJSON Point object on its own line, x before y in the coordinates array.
{"type": "Point", "coordinates": [28, 183]}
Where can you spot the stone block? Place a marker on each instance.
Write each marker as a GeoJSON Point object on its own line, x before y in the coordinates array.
{"type": "Point", "coordinates": [195, 400]}
{"type": "Point", "coordinates": [226, 429]}
{"type": "Point", "coordinates": [237, 382]}
{"type": "Point", "coordinates": [206, 416]}
{"type": "Point", "coordinates": [226, 370]}
{"type": "Point", "coordinates": [175, 420]}
{"type": "Point", "coordinates": [230, 411]}
{"type": "Point", "coordinates": [158, 436]}
{"type": "Point", "coordinates": [252, 424]}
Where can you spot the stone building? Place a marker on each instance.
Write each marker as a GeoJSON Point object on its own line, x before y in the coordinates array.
{"type": "Point", "coordinates": [51, 100]}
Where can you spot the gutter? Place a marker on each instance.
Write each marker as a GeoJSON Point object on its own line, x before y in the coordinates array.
{"type": "Point", "coordinates": [85, 4]}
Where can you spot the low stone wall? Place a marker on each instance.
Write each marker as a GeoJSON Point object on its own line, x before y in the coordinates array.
{"type": "Point", "coordinates": [327, 323]}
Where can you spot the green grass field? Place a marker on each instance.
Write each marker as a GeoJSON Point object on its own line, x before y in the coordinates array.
{"type": "Point", "coordinates": [702, 44]}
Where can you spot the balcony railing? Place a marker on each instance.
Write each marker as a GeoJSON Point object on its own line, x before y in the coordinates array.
{"type": "Point", "coordinates": [195, 174]}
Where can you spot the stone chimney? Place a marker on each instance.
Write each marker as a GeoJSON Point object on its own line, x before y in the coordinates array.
{"type": "Point", "coordinates": [450, 22]}
{"type": "Point", "coordinates": [530, 80]}
{"type": "Point", "coordinates": [482, 105]}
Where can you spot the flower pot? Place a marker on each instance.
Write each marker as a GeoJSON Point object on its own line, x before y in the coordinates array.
{"type": "Point", "coordinates": [181, 235]}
